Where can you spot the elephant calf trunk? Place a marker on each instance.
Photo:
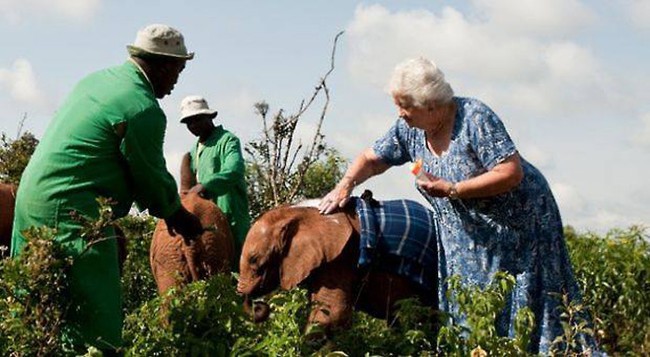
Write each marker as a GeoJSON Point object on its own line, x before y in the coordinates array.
{"type": "Point", "coordinates": [259, 310]}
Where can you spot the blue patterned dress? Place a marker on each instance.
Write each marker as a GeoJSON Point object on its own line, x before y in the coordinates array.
{"type": "Point", "coordinates": [519, 232]}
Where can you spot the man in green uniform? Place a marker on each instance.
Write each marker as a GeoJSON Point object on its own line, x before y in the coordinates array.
{"type": "Point", "coordinates": [217, 167]}
{"type": "Point", "coordinates": [106, 140]}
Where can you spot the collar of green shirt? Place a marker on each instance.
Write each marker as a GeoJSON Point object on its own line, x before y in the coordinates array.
{"type": "Point", "coordinates": [141, 71]}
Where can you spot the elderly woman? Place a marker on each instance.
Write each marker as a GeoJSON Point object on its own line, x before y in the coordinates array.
{"type": "Point", "coordinates": [496, 210]}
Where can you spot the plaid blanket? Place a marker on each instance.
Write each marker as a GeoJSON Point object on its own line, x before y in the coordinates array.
{"type": "Point", "coordinates": [399, 236]}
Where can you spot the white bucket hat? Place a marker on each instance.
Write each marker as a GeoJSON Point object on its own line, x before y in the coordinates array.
{"type": "Point", "coordinates": [160, 40]}
{"type": "Point", "coordinates": [195, 105]}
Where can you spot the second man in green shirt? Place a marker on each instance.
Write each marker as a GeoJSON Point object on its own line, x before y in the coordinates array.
{"type": "Point", "coordinates": [216, 166]}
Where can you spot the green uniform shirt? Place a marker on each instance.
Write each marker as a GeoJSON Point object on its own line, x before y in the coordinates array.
{"type": "Point", "coordinates": [219, 167]}
{"type": "Point", "coordinates": [105, 140]}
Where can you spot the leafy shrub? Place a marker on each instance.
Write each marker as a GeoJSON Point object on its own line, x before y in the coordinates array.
{"type": "Point", "coordinates": [138, 284]}
{"type": "Point", "coordinates": [14, 156]}
{"type": "Point", "coordinates": [203, 318]}
{"type": "Point", "coordinates": [206, 318]}
{"type": "Point", "coordinates": [411, 332]}
{"type": "Point", "coordinates": [480, 308]}
{"type": "Point", "coordinates": [282, 333]}
{"type": "Point", "coordinates": [33, 301]}
{"type": "Point", "coordinates": [614, 274]}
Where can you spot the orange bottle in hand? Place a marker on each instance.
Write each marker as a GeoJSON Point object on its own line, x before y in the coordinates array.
{"type": "Point", "coordinates": [416, 169]}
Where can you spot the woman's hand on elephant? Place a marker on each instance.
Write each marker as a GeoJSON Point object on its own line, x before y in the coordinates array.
{"type": "Point", "coordinates": [184, 223]}
{"type": "Point", "coordinates": [198, 189]}
{"type": "Point", "coordinates": [335, 199]}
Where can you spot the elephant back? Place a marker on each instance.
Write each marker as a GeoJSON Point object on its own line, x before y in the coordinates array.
{"type": "Point", "coordinates": [7, 203]}
{"type": "Point", "coordinates": [173, 262]}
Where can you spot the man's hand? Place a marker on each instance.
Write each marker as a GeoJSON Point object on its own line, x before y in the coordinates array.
{"type": "Point", "coordinates": [198, 189]}
{"type": "Point", "coordinates": [184, 223]}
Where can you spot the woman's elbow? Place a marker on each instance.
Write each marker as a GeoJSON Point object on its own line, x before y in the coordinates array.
{"type": "Point", "coordinates": [517, 177]}
{"type": "Point", "coordinates": [512, 172]}
{"type": "Point", "coordinates": [516, 174]}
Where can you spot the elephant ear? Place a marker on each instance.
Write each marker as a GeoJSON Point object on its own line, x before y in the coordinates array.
{"type": "Point", "coordinates": [312, 240]}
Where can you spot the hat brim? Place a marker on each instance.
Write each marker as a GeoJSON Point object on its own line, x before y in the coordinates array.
{"type": "Point", "coordinates": [211, 113]}
{"type": "Point", "coordinates": [138, 51]}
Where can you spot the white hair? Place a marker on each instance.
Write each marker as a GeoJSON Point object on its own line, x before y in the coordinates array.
{"type": "Point", "coordinates": [420, 83]}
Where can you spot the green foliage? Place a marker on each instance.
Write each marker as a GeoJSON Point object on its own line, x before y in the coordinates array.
{"type": "Point", "coordinates": [575, 325]}
{"type": "Point", "coordinates": [33, 301]}
{"type": "Point", "coordinates": [279, 167]}
{"type": "Point", "coordinates": [14, 156]}
{"type": "Point", "coordinates": [323, 175]}
{"type": "Point", "coordinates": [614, 274]}
{"type": "Point", "coordinates": [480, 309]}
{"type": "Point", "coordinates": [411, 333]}
{"type": "Point", "coordinates": [282, 333]}
{"type": "Point", "coordinates": [138, 284]}
{"type": "Point", "coordinates": [204, 318]}
{"type": "Point", "coordinates": [316, 181]}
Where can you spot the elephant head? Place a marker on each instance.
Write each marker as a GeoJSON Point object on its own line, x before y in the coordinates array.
{"type": "Point", "coordinates": [188, 180]}
{"type": "Point", "coordinates": [174, 262]}
{"type": "Point", "coordinates": [286, 244]}
{"type": "Point", "coordinates": [7, 203]}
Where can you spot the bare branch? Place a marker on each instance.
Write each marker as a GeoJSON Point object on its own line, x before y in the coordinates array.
{"type": "Point", "coordinates": [279, 150]}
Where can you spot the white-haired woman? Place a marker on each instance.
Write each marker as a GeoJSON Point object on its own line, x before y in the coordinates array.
{"type": "Point", "coordinates": [495, 210]}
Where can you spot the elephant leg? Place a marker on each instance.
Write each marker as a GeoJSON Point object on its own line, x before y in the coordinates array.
{"type": "Point", "coordinates": [168, 263]}
{"type": "Point", "coordinates": [379, 292]}
{"type": "Point", "coordinates": [189, 250]}
{"type": "Point", "coordinates": [332, 298]}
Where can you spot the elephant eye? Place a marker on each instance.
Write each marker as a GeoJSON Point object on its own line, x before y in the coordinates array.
{"type": "Point", "coordinates": [252, 260]}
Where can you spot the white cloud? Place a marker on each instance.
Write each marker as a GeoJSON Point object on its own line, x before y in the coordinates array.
{"type": "Point", "coordinates": [517, 68]}
{"type": "Point", "coordinates": [602, 220]}
{"type": "Point", "coordinates": [642, 137]}
{"type": "Point", "coordinates": [534, 17]}
{"type": "Point", "coordinates": [353, 136]}
{"type": "Point", "coordinates": [569, 200]}
{"type": "Point", "coordinates": [598, 215]}
{"type": "Point", "coordinates": [17, 11]}
{"type": "Point", "coordinates": [21, 82]}
{"type": "Point", "coordinates": [536, 156]}
{"type": "Point", "coordinates": [639, 12]}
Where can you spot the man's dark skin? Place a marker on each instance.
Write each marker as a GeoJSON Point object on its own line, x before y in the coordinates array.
{"type": "Point", "coordinates": [163, 73]}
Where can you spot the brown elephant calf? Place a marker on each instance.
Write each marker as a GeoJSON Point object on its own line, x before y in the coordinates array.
{"type": "Point", "coordinates": [290, 245]}
{"type": "Point", "coordinates": [174, 262]}
{"type": "Point", "coordinates": [7, 203]}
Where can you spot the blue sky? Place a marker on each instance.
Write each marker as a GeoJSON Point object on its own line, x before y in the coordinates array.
{"type": "Point", "coordinates": [569, 78]}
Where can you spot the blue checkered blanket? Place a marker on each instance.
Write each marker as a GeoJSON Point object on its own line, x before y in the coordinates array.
{"type": "Point", "coordinates": [400, 236]}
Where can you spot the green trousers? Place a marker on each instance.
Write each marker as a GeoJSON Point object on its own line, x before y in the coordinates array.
{"type": "Point", "coordinates": [95, 314]}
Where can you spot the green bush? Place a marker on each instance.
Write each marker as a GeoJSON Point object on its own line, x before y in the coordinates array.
{"type": "Point", "coordinates": [138, 284]}
{"type": "Point", "coordinates": [206, 318]}
{"type": "Point", "coordinates": [14, 156]}
{"type": "Point", "coordinates": [33, 299]}
{"type": "Point", "coordinates": [614, 274]}
{"type": "Point", "coordinates": [481, 308]}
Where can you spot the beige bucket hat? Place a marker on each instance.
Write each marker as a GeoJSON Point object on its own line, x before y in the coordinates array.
{"type": "Point", "coordinates": [194, 105]}
{"type": "Point", "coordinates": [160, 40]}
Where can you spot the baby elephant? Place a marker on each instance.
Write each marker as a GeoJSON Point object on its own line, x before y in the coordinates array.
{"type": "Point", "coordinates": [7, 202]}
{"type": "Point", "coordinates": [290, 245]}
{"type": "Point", "coordinates": [173, 262]}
